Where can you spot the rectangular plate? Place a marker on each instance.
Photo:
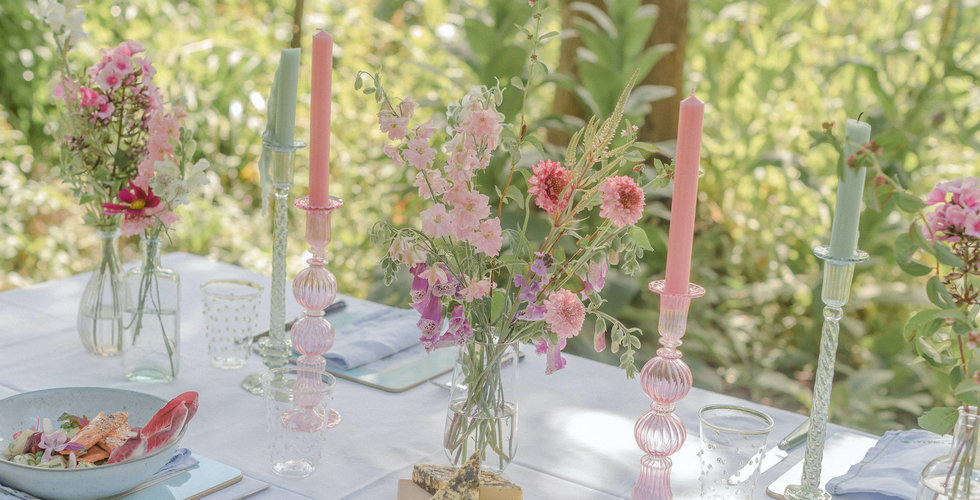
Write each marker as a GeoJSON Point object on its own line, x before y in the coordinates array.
{"type": "Point", "coordinates": [196, 482]}
{"type": "Point", "coordinates": [401, 371]}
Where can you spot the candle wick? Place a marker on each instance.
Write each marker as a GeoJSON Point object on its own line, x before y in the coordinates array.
{"type": "Point", "coordinates": [692, 91]}
{"type": "Point", "coordinates": [860, 115]}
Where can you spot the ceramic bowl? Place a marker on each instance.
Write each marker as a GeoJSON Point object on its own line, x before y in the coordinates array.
{"type": "Point", "coordinates": [22, 411]}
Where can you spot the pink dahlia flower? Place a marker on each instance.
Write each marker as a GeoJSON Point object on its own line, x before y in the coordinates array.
{"type": "Point", "coordinates": [547, 184]}
{"type": "Point", "coordinates": [622, 200]}
{"type": "Point", "coordinates": [564, 313]}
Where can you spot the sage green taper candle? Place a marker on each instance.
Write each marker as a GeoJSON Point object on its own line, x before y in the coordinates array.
{"type": "Point", "coordinates": [844, 231]}
{"type": "Point", "coordinates": [285, 96]}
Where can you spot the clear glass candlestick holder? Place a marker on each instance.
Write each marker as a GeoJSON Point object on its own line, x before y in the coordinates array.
{"type": "Point", "coordinates": [275, 349]}
{"type": "Point", "coordinates": [837, 275]}
{"type": "Point", "coordinates": [665, 379]}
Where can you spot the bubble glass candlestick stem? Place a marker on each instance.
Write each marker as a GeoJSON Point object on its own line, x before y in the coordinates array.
{"type": "Point", "coordinates": [275, 349]}
{"type": "Point", "coordinates": [837, 275]}
{"type": "Point", "coordinates": [666, 379]}
{"type": "Point", "coordinates": [315, 288]}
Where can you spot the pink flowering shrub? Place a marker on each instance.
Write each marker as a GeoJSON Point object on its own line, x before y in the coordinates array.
{"type": "Point", "coordinates": [474, 277]}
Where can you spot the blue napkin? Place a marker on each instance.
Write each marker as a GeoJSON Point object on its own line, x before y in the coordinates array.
{"type": "Point", "coordinates": [373, 336]}
{"type": "Point", "coordinates": [893, 466]}
{"type": "Point", "coordinates": [181, 460]}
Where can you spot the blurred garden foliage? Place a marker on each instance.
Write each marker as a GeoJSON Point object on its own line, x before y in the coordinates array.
{"type": "Point", "coordinates": [770, 74]}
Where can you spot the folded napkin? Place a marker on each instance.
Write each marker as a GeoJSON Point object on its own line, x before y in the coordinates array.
{"type": "Point", "coordinates": [181, 460]}
{"type": "Point", "coordinates": [376, 334]}
{"type": "Point", "coordinates": [893, 466]}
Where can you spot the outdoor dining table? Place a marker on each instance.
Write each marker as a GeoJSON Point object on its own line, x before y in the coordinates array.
{"type": "Point", "coordinates": [575, 426]}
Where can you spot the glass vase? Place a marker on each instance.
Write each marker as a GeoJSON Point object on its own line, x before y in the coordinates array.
{"type": "Point", "coordinates": [482, 414]}
{"type": "Point", "coordinates": [100, 312]}
{"type": "Point", "coordinates": [151, 350]}
{"type": "Point", "coordinates": [954, 476]}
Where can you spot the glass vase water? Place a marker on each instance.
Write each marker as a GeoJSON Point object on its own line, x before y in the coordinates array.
{"type": "Point", "coordinates": [955, 476]}
{"type": "Point", "coordinates": [482, 413]}
{"type": "Point", "coordinates": [100, 312]}
{"type": "Point", "coordinates": [151, 350]}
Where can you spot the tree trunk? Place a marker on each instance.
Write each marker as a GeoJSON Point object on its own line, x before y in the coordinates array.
{"type": "Point", "coordinates": [671, 27]}
{"type": "Point", "coordinates": [566, 102]}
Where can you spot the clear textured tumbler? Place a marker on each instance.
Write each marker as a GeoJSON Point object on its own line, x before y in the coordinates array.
{"type": "Point", "coordinates": [298, 414]}
{"type": "Point", "coordinates": [231, 317]}
{"type": "Point", "coordinates": [733, 440]}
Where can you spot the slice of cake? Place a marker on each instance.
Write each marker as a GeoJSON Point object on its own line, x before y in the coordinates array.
{"type": "Point", "coordinates": [492, 486]}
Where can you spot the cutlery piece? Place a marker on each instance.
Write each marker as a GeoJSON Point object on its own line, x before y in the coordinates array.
{"type": "Point", "coordinates": [775, 454]}
{"type": "Point", "coordinates": [246, 495]}
{"type": "Point", "coordinates": [332, 308]}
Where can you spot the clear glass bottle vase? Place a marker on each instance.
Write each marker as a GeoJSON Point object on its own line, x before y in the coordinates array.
{"type": "Point", "coordinates": [151, 348]}
{"type": "Point", "coordinates": [482, 413]}
{"type": "Point", "coordinates": [100, 312]}
{"type": "Point", "coordinates": [955, 476]}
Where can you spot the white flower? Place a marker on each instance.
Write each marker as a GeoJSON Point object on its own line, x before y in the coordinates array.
{"type": "Point", "coordinates": [64, 19]}
{"type": "Point", "coordinates": [197, 175]}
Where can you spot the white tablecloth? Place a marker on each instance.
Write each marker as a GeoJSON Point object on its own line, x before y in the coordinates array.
{"type": "Point", "coordinates": [576, 426]}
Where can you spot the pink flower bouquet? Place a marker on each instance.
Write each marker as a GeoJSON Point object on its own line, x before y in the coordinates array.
{"type": "Point", "coordinates": [474, 278]}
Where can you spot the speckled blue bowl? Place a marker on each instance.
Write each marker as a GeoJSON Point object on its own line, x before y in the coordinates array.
{"type": "Point", "coordinates": [22, 411]}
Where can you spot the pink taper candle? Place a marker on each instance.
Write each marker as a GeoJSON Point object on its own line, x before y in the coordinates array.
{"type": "Point", "coordinates": [320, 119]}
{"type": "Point", "coordinates": [681, 236]}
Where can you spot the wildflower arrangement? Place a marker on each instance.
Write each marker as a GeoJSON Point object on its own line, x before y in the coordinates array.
{"type": "Point", "coordinates": [474, 278]}
{"type": "Point", "coordinates": [947, 336]}
{"type": "Point", "coordinates": [114, 129]}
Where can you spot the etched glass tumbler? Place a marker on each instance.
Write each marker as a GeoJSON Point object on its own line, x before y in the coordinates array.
{"type": "Point", "coordinates": [298, 414]}
{"type": "Point", "coordinates": [733, 440]}
{"type": "Point", "coordinates": [231, 317]}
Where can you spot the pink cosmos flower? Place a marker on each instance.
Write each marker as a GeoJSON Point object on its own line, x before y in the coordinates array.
{"type": "Point", "coordinates": [477, 289]}
{"type": "Point", "coordinates": [564, 313]}
{"type": "Point", "coordinates": [547, 184]}
{"type": "Point", "coordinates": [622, 200]}
{"type": "Point", "coordinates": [488, 239]}
{"type": "Point", "coordinates": [435, 222]}
{"type": "Point", "coordinates": [139, 206]}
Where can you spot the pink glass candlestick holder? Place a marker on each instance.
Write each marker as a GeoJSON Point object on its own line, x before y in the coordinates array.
{"type": "Point", "coordinates": [315, 288]}
{"type": "Point", "coordinates": [665, 379]}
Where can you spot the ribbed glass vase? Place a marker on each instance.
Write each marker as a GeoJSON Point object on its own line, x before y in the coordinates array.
{"type": "Point", "coordinates": [100, 312]}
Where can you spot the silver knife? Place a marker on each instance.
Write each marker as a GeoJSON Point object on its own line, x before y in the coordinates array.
{"type": "Point", "coordinates": [774, 455]}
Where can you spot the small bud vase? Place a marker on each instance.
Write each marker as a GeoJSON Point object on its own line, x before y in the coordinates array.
{"type": "Point", "coordinates": [100, 312]}
{"type": "Point", "coordinates": [955, 476]}
{"type": "Point", "coordinates": [151, 347]}
{"type": "Point", "coordinates": [482, 414]}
